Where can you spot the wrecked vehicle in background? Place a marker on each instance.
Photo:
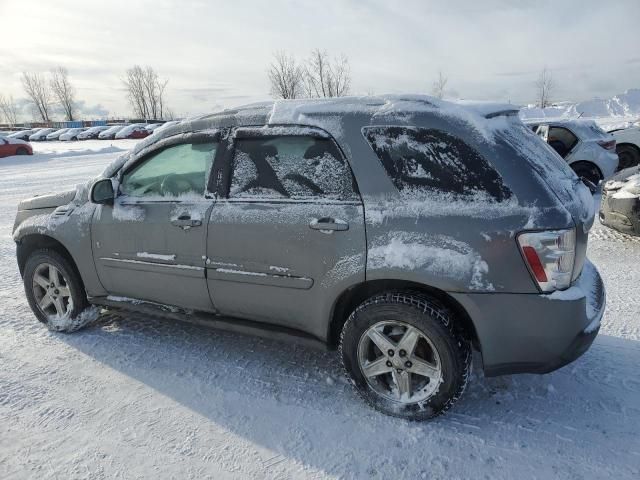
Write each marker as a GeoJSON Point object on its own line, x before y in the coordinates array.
{"type": "Point", "coordinates": [589, 150]}
{"type": "Point", "coordinates": [404, 231]}
{"type": "Point", "coordinates": [620, 206]}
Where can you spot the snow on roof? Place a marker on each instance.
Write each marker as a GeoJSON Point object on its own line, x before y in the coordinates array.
{"type": "Point", "coordinates": [322, 112]}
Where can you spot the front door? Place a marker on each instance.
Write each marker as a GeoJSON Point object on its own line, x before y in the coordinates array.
{"type": "Point", "coordinates": [290, 236]}
{"type": "Point", "coordinates": [151, 243]}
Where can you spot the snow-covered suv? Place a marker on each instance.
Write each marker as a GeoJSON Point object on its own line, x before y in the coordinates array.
{"type": "Point", "coordinates": [403, 230]}
{"type": "Point", "coordinates": [588, 149]}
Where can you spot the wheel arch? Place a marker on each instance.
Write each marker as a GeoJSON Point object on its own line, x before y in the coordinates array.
{"type": "Point", "coordinates": [35, 241]}
{"type": "Point", "coordinates": [576, 163]}
{"type": "Point", "coordinates": [355, 295]}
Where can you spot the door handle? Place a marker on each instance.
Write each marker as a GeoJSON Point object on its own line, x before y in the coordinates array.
{"type": "Point", "coordinates": [185, 221]}
{"type": "Point", "coordinates": [328, 224]}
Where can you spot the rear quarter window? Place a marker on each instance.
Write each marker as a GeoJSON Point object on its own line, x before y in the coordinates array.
{"type": "Point", "coordinates": [420, 159]}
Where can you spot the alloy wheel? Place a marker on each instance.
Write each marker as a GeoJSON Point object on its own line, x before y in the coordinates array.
{"type": "Point", "coordinates": [51, 291]}
{"type": "Point", "coordinates": [399, 362]}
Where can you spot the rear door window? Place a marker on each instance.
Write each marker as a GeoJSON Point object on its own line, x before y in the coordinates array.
{"type": "Point", "coordinates": [561, 140]}
{"type": "Point", "coordinates": [289, 166]}
{"type": "Point", "coordinates": [429, 159]}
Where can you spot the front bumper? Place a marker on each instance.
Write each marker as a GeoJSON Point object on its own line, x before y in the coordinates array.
{"type": "Point", "coordinates": [537, 333]}
{"type": "Point", "coordinates": [622, 214]}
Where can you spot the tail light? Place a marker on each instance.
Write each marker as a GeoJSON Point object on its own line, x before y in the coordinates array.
{"type": "Point", "coordinates": [550, 256]}
{"type": "Point", "coordinates": [607, 144]}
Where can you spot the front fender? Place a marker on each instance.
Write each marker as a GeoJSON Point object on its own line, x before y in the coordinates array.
{"type": "Point", "coordinates": [69, 226]}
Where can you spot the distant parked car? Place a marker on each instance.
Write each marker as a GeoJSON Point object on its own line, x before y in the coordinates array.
{"type": "Point", "coordinates": [110, 133]}
{"type": "Point", "coordinates": [14, 146]}
{"type": "Point", "coordinates": [152, 127]}
{"type": "Point", "coordinates": [41, 134]}
{"type": "Point", "coordinates": [71, 134]}
{"type": "Point", "coordinates": [627, 146]}
{"type": "Point", "coordinates": [620, 207]}
{"type": "Point", "coordinates": [589, 150]}
{"type": "Point", "coordinates": [56, 135]}
{"type": "Point", "coordinates": [165, 125]}
{"type": "Point", "coordinates": [92, 132]}
{"type": "Point", "coordinates": [135, 130]}
{"type": "Point", "coordinates": [23, 134]}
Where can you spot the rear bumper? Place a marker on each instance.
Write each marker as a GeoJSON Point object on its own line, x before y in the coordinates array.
{"type": "Point", "coordinates": [533, 333]}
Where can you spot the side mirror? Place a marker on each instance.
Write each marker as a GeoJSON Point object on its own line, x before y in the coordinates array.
{"type": "Point", "coordinates": [102, 192]}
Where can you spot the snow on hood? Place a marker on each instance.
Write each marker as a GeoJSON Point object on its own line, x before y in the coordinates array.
{"type": "Point", "coordinates": [47, 201]}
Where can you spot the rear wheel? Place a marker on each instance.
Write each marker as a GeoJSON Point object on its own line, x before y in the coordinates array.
{"type": "Point", "coordinates": [628, 155]}
{"type": "Point", "coordinates": [404, 357]}
{"type": "Point", "coordinates": [587, 170]}
{"type": "Point", "coordinates": [22, 151]}
{"type": "Point", "coordinates": [54, 291]}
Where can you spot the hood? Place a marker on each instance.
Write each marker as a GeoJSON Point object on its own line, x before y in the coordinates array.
{"type": "Point", "coordinates": [47, 201]}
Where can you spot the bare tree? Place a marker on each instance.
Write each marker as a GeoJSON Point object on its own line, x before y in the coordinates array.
{"type": "Point", "coordinates": [146, 92]}
{"type": "Point", "coordinates": [439, 85]}
{"type": "Point", "coordinates": [326, 78]}
{"type": "Point", "coordinates": [285, 76]}
{"type": "Point", "coordinates": [37, 89]}
{"type": "Point", "coordinates": [544, 86]}
{"type": "Point", "coordinates": [63, 91]}
{"type": "Point", "coordinates": [9, 110]}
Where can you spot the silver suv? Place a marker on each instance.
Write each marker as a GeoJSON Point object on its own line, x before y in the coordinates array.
{"type": "Point", "coordinates": [403, 231]}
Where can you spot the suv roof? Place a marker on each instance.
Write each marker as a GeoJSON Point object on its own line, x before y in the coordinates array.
{"type": "Point", "coordinates": [301, 111]}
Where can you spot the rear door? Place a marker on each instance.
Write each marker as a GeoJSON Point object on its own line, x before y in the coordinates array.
{"type": "Point", "coordinates": [151, 243]}
{"type": "Point", "coordinates": [290, 234]}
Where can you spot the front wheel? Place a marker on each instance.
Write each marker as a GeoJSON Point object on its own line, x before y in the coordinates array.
{"type": "Point", "coordinates": [54, 291]}
{"type": "Point", "coordinates": [404, 357]}
{"type": "Point", "coordinates": [22, 151]}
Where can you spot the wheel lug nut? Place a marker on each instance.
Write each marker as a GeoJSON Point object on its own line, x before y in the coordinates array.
{"type": "Point", "coordinates": [391, 353]}
{"type": "Point", "coordinates": [408, 364]}
{"type": "Point", "coordinates": [403, 353]}
{"type": "Point", "coordinates": [389, 364]}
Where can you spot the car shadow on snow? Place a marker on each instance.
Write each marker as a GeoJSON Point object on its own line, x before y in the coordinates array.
{"type": "Point", "coordinates": [295, 401]}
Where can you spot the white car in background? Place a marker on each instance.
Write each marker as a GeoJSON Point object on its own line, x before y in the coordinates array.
{"type": "Point", "coordinates": [627, 146]}
{"type": "Point", "coordinates": [71, 134]}
{"type": "Point", "coordinates": [165, 125]}
{"type": "Point", "coordinates": [110, 133]}
{"type": "Point", "coordinates": [23, 134]}
{"type": "Point", "coordinates": [55, 135]}
{"type": "Point", "coordinates": [92, 132]}
{"type": "Point", "coordinates": [41, 134]}
{"type": "Point", "coordinates": [589, 150]}
{"type": "Point", "coordinates": [152, 127]}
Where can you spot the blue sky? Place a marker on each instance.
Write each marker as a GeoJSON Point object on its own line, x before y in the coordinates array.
{"type": "Point", "coordinates": [215, 54]}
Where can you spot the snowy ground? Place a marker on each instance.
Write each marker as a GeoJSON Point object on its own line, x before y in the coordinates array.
{"type": "Point", "coordinates": [138, 397]}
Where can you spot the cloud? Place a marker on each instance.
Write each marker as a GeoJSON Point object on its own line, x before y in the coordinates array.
{"type": "Point", "coordinates": [218, 54]}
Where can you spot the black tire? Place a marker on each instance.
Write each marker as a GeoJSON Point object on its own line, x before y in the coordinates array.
{"type": "Point", "coordinates": [72, 279]}
{"type": "Point", "coordinates": [587, 170]}
{"type": "Point", "coordinates": [22, 151]}
{"type": "Point", "coordinates": [435, 322]}
{"type": "Point", "coordinates": [629, 156]}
